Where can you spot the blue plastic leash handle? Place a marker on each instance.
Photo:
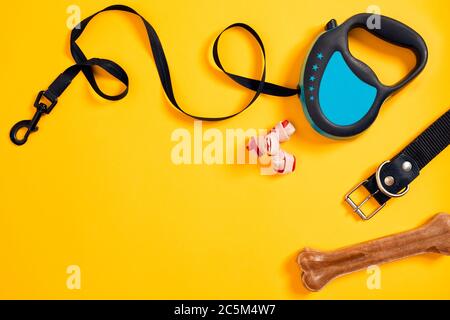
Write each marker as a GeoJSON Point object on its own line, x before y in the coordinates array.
{"type": "Point", "coordinates": [342, 95]}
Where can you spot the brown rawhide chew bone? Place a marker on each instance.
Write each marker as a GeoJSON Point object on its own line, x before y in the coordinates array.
{"type": "Point", "coordinates": [320, 268]}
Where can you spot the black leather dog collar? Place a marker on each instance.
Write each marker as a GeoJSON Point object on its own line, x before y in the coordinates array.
{"type": "Point", "coordinates": [392, 179]}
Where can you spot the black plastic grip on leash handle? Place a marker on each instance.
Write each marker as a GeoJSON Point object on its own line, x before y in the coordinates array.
{"type": "Point", "coordinates": [398, 34]}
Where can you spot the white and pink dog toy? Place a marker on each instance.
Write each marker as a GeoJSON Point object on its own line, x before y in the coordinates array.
{"type": "Point", "coordinates": [281, 161]}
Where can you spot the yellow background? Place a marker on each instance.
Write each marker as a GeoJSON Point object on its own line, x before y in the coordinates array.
{"type": "Point", "coordinates": [96, 186]}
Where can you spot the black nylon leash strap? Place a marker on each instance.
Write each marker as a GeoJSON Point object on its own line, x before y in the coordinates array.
{"type": "Point", "coordinates": [47, 100]}
{"type": "Point", "coordinates": [393, 177]}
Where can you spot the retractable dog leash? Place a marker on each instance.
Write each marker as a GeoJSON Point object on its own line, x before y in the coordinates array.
{"type": "Point", "coordinates": [341, 95]}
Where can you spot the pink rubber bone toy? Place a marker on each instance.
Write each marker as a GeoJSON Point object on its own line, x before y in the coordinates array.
{"type": "Point", "coordinates": [282, 162]}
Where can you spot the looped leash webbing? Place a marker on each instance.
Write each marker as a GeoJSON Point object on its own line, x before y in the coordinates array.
{"type": "Point", "coordinates": [393, 177]}
{"type": "Point", "coordinates": [47, 100]}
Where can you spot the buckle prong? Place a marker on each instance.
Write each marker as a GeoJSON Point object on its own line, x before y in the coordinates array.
{"type": "Point", "coordinates": [357, 207]}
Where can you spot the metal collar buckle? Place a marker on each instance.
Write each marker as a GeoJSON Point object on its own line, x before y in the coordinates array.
{"type": "Point", "coordinates": [357, 207]}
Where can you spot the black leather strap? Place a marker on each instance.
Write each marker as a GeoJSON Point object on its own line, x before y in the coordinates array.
{"type": "Point", "coordinates": [406, 166]}
{"type": "Point", "coordinates": [86, 66]}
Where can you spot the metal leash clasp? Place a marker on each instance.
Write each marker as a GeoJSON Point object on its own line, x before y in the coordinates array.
{"type": "Point", "coordinates": [42, 107]}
